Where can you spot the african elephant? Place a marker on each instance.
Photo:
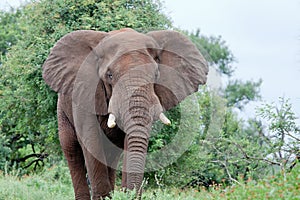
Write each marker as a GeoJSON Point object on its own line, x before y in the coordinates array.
{"type": "Point", "coordinates": [111, 87]}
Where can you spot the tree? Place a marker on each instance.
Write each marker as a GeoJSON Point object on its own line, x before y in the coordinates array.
{"type": "Point", "coordinates": [282, 134]}
{"type": "Point", "coordinates": [28, 106]}
{"type": "Point", "coordinates": [216, 52]}
{"type": "Point", "coordinates": [239, 93]}
{"type": "Point", "coordinates": [9, 31]}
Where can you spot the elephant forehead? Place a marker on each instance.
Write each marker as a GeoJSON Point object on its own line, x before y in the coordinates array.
{"type": "Point", "coordinates": [124, 48]}
{"type": "Point", "coordinates": [127, 41]}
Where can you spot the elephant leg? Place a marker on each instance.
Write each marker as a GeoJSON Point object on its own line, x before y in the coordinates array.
{"type": "Point", "coordinates": [74, 156]}
{"type": "Point", "coordinates": [98, 176]}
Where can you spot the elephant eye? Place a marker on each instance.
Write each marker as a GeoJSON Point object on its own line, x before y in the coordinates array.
{"type": "Point", "coordinates": [156, 58]}
{"type": "Point", "coordinates": [109, 75]}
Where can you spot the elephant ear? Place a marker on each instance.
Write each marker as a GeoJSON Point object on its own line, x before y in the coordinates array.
{"type": "Point", "coordinates": [66, 57]}
{"type": "Point", "coordinates": [182, 67]}
{"type": "Point", "coordinates": [73, 53]}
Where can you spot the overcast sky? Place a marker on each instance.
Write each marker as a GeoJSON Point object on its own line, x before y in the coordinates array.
{"type": "Point", "coordinates": [264, 36]}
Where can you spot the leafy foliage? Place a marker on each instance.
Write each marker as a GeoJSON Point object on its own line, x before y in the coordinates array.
{"type": "Point", "coordinates": [282, 136]}
{"type": "Point", "coordinates": [274, 187]}
{"type": "Point", "coordinates": [215, 51]}
{"type": "Point", "coordinates": [238, 93]}
{"type": "Point", "coordinates": [9, 31]}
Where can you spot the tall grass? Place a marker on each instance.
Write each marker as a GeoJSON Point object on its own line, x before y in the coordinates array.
{"type": "Point", "coordinates": [55, 183]}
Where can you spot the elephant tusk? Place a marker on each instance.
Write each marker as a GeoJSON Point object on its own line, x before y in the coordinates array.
{"type": "Point", "coordinates": [111, 122]}
{"type": "Point", "coordinates": [164, 119]}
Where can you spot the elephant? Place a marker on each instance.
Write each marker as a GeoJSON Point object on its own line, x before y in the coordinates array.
{"type": "Point", "coordinates": [111, 87]}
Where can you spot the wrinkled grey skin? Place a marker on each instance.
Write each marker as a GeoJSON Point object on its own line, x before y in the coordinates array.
{"type": "Point", "coordinates": [133, 76]}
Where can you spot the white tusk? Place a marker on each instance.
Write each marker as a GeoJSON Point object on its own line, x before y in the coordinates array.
{"type": "Point", "coordinates": [111, 122]}
{"type": "Point", "coordinates": [164, 119]}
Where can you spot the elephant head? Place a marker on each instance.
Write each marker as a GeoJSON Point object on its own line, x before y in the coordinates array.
{"type": "Point", "coordinates": [129, 78]}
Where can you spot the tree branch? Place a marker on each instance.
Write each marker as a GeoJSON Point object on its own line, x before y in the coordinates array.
{"type": "Point", "coordinates": [295, 138]}
{"type": "Point", "coordinates": [40, 156]}
{"type": "Point", "coordinates": [227, 171]}
{"type": "Point", "coordinates": [250, 157]}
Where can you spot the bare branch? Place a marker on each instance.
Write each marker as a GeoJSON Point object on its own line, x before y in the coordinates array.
{"type": "Point", "coordinates": [37, 155]}
{"type": "Point", "coordinates": [295, 138]}
{"type": "Point", "coordinates": [227, 171]}
{"type": "Point", "coordinates": [253, 158]}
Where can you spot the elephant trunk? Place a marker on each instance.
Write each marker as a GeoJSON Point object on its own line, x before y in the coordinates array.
{"type": "Point", "coordinates": [133, 107]}
{"type": "Point", "coordinates": [134, 110]}
{"type": "Point", "coordinates": [137, 124]}
{"type": "Point", "coordinates": [135, 159]}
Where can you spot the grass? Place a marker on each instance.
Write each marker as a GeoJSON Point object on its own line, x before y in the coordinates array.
{"type": "Point", "coordinates": [55, 183]}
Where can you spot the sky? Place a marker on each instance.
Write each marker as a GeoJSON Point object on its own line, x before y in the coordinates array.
{"type": "Point", "coordinates": [6, 4]}
{"type": "Point", "coordinates": [263, 35]}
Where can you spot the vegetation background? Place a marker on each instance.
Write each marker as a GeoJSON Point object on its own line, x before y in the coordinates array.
{"type": "Point", "coordinates": [227, 153]}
